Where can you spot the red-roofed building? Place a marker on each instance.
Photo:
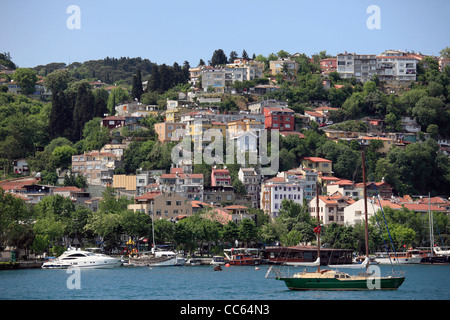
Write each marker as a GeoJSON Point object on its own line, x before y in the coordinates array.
{"type": "Point", "coordinates": [331, 208]}
{"type": "Point", "coordinates": [279, 118]}
{"type": "Point", "coordinates": [220, 177]}
{"type": "Point", "coordinates": [321, 165]}
{"type": "Point", "coordinates": [112, 122]}
{"type": "Point", "coordinates": [212, 212]}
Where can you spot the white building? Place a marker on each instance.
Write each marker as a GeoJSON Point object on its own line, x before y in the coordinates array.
{"type": "Point", "coordinates": [355, 213]}
{"type": "Point", "coordinates": [272, 195]}
{"type": "Point", "coordinates": [400, 67]}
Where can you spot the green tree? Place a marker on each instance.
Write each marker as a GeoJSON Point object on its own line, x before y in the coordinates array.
{"type": "Point", "coordinates": [63, 156]}
{"type": "Point", "coordinates": [27, 79]}
{"type": "Point", "coordinates": [117, 96]}
{"type": "Point", "coordinates": [247, 231]}
{"type": "Point", "coordinates": [83, 111]}
{"type": "Point", "coordinates": [218, 58]}
{"type": "Point", "coordinates": [136, 89]}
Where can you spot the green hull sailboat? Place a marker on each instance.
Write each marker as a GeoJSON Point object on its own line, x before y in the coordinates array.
{"type": "Point", "coordinates": [336, 280]}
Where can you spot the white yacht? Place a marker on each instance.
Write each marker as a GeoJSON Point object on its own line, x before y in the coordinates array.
{"type": "Point", "coordinates": [82, 259]}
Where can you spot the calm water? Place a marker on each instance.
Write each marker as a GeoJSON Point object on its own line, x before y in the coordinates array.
{"type": "Point", "coordinates": [202, 283]}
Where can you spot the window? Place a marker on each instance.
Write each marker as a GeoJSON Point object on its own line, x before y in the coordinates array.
{"type": "Point", "coordinates": [168, 203]}
{"type": "Point", "coordinates": [178, 202]}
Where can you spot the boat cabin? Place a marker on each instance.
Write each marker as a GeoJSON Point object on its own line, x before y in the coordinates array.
{"type": "Point", "coordinates": [281, 255]}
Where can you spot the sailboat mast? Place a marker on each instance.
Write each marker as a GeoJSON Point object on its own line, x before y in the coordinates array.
{"type": "Point", "coordinates": [318, 224]}
{"type": "Point", "coordinates": [430, 219]}
{"type": "Point", "coordinates": [365, 205]}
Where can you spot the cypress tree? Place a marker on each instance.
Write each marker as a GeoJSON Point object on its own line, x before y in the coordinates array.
{"type": "Point", "coordinates": [154, 82]}
{"type": "Point", "coordinates": [136, 90]}
{"type": "Point", "coordinates": [83, 111]}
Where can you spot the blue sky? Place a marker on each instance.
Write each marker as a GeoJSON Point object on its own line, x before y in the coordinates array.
{"type": "Point", "coordinates": [35, 31]}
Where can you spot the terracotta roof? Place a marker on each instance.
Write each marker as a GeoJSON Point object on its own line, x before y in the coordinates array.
{"type": "Point", "coordinates": [421, 207]}
{"type": "Point", "coordinates": [316, 159]}
{"type": "Point", "coordinates": [292, 133]}
{"type": "Point", "coordinates": [70, 188]}
{"type": "Point", "coordinates": [16, 183]}
{"type": "Point", "coordinates": [181, 175]}
{"type": "Point", "coordinates": [149, 195]}
{"type": "Point", "coordinates": [114, 118]}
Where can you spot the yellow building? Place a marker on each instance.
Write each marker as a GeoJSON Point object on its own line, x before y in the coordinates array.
{"type": "Point", "coordinates": [387, 143]}
{"type": "Point", "coordinates": [170, 131]}
{"type": "Point", "coordinates": [242, 125]}
{"type": "Point", "coordinates": [198, 131]}
{"type": "Point", "coordinates": [321, 165]}
{"type": "Point", "coordinates": [174, 115]}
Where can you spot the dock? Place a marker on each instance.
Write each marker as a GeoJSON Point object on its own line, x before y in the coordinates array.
{"type": "Point", "coordinates": [20, 265]}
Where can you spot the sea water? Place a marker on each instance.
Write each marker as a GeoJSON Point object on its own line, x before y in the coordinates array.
{"type": "Point", "coordinates": [236, 283]}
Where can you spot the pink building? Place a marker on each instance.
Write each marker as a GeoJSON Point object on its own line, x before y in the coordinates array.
{"type": "Point", "coordinates": [220, 177]}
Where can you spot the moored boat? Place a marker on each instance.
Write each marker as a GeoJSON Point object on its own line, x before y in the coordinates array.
{"type": "Point", "coordinates": [407, 257]}
{"type": "Point", "coordinates": [242, 257]}
{"type": "Point", "coordinates": [82, 259]}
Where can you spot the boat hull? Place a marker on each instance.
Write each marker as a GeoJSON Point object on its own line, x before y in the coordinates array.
{"type": "Point", "coordinates": [360, 283]}
{"type": "Point", "coordinates": [104, 264]}
{"type": "Point", "coordinates": [412, 260]}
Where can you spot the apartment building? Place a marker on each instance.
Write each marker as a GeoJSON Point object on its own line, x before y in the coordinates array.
{"type": "Point", "coordinates": [252, 182]}
{"type": "Point", "coordinates": [362, 66]}
{"type": "Point", "coordinates": [400, 67]}
{"type": "Point", "coordinates": [220, 177]}
{"type": "Point", "coordinates": [170, 131]}
{"type": "Point", "coordinates": [162, 205]}
{"type": "Point", "coordinates": [98, 167]}
{"type": "Point", "coordinates": [218, 195]}
{"type": "Point", "coordinates": [279, 118]}
{"type": "Point", "coordinates": [274, 191]}
{"type": "Point", "coordinates": [220, 79]}
{"type": "Point", "coordinates": [278, 66]}
{"type": "Point", "coordinates": [185, 184]}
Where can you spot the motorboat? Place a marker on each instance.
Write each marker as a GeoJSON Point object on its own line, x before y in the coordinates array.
{"type": "Point", "coordinates": [218, 260]}
{"type": "Point", "coordinates": [397, 257]}
{"type": "Point", "coordinates": [82, 259]}
{"type": "Point", "coordinates": [242, 257]}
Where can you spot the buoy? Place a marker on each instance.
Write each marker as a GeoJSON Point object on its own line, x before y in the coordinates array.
{"type": "Point", "coordinates": [256, 268]}
{"type": "Point", "coordinates": [227, 265]}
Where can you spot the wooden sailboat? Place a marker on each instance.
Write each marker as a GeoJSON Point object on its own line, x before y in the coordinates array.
{"type": "Point", "coordinates": [326, 279]}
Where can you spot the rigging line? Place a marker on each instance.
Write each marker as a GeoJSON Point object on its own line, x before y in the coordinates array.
{"type": "Point", "coordinates": [440, 236]}
{"type": "Point", "coordinates": [384, 218]}
{"type": "Point", "coordinates": [381, 231]}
